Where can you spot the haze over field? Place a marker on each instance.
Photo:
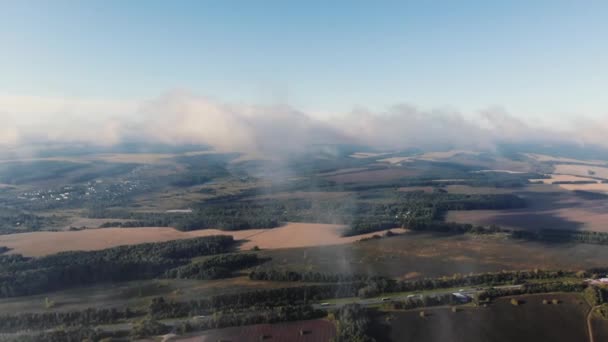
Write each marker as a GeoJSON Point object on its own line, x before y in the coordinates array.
{"type": "Point", "coordinates": [182, 117]}
{"type": "Point", "coordinates": [249, 84]}
{"type": "Point", "coordinates": [320, 171]}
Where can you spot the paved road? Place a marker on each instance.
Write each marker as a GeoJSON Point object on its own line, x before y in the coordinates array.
{"type": "Point", "coordinates": [174, 322]}
{"type": "Point", "coordinates": [589, 324]}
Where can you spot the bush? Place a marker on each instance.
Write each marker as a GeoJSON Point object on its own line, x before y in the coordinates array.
{"type": "Point", "coordinates": [149, 327]}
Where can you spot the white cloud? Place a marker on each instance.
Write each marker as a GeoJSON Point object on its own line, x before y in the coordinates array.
{"type": "Point", "coordinates": [181, 117]}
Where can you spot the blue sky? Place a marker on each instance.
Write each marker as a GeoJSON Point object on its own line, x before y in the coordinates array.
{"type": "Point", "coordinates": [536, 59]}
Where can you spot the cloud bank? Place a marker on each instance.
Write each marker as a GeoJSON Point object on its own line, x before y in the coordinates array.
{"type": "Point", "coordinates": [181, 117]}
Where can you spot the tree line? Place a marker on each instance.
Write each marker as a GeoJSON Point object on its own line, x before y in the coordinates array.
{"type": "Point", "coordinates": [559, 235]}
{"type": "Point", "coordinates": [531, 288]}
{"type": "Point", "coordinates": [353, 324]}
{"type": "Point", "coordinates": [160, 308]}
{"type": "Point", "coordinates": [424, 211]}
{"type": "Point", "coordinates": [222, 319]}
{"type": "Point", "coordinates": [265, 300]}
{"type": "Point", "coordinates": [363, 215]}
{"type": "Point", "coordinates": [215, 267]}
{"type": "Point", "coordinates": [310, 277]}
{"type": "Point", "coordinates": [25, 276]}
{"type": "Point", "coordinates": [372, 286]}
{"type": "Point", "coordinates": [46, 320]}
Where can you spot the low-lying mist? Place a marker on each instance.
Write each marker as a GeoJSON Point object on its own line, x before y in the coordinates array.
{"type": "Point", "coordinates": [183, 118]}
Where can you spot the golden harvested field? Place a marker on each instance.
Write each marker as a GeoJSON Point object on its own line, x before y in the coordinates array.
{"type": "Point", "coordinates": [361, 155]}
{"type": "Point", "coordinates": [344, 171]}
{"type": "Point", "coordinates": [303, 235]}
{"type": "Point", "coordinates": [546, 158]}
{"type": "Point", "coordinates": [288, 236]}
{"type": "Point", "coordinates": [445, 154]}
{"type": "Point", "coordinates": [563, 178]}
{"type": "Point", "coordinates": [396, 160]}
{"type": "Point", "coordinates": [429, 156]}
{"type": "Point", "coordinates": [582, 170]}
{"type": "Point", "coordinates": [374, 175]}
{"type": "Point", "coordinates": [597, 187]}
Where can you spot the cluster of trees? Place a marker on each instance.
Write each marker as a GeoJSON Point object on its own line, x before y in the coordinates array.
{"type": "Point", "coordinates": [226, 216]}
{"type": "Point", "coordinates": [17, 222]}
{"type": "Point", "coordinates": [222, 319]}
{"type": "Point", "coordinates": [425, 211]}
{"type": "Point", "coordinates": [363, 215]}
{"type": "Point", "coordinates": [27, 172]}
{"type": "Point", "coordinates": [215, 267]}
{"type": "Point", "coordinates": [148, 327]}
{"type": "Point", "coordinates": [596, 295]}
{"type": "Point", "coordinates": [74, 334]}
{"type": "Point", "coordinates": [558, 235]}
{"type": "Point", "coordinates": [376, 287]}
{"type": "Point", "coordinates": [532, 288]}
{"type": "Point", "coordinates": [24, 276]}
{"type": "Point", "coordinates": [353, 324]}
{"type": "Point", "coordinates": [47, 320]}
{"type": "Point", "coordinates": [311, 277]}
{"type": "Point", "coordinates": [452, 227]}
{"type": "Point", "coordinates": [602, 310]}
{"type": "Point", "coordinates": [160, 308]}
{"type": "Point", "coordinates": [372, 286]}
{"type": "Point", "coordinates": [423, 301]}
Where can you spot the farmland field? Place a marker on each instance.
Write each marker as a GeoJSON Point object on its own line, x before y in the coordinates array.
{"type": "Point", "coordinates": [563, 178]}
{"type": "Point", "coordinates": [582, 170]}
{"type": "Point", "coordinates": [290, 235]}
{"type": "Point", "coordinates": [500, 322]}
{"type": "Point", "coordinates": [547, 158]}
{"type": "Point", "coordinates": [431, 255]}
{"type": "Point", "coordinates": [554, 209]}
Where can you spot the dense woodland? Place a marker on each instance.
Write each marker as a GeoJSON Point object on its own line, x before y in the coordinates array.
{"type": "Point", "coordinates": [24, 276]}
{"type": "Point", "coordinates": [215, 267]}
{"type": "Point", "coordinates": [160, 308]}
{"type": "Point", "coordinates": [16, 221]}
{"type": "Point", "coordinates": [368, 213]}
{"type": "Point", "coordinates": [275, 305]}
{"type": "Point", "coordinates": [532, 288]}
{"type": "Point", "coordinates": [557, 235]}
{"type": "Point", "coordinates": [221, 319]}
{"type": "Point", "coordinates": [353, 324]}
{"type": "Point", "coordinates": [311, 277]}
